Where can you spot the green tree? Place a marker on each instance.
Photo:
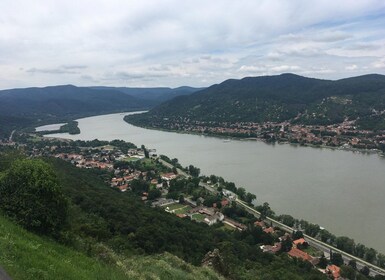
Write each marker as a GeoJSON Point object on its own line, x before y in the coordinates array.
{"type": "Point", "coordinates": [30, 194]}
{"type": "Point", "coordinates": [241, 192]}
{"type": "Point", "coordinates": [370, 255]}
{"type": "Point", "coordinates": [336, 259]}
{"type": "Point", "coordinates": [345, 244]}
{"type": "Point", "coordinates": [153, 194]}
{"type": "Point", "coordinates": [348, 272]}
{"type": "Point", "coordinates": [353, 264]}
{"type": "Point", "coordinates": [365, 271]}
{"type": "Point", "coordinates": [250, 197]}
{"type": "Point", "coordinates": [323, 262]}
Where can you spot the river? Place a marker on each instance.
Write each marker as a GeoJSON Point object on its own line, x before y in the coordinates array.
{"type": "Point", "coordinates": [341, 191]}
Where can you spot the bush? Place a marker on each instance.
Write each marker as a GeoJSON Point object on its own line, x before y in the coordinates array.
{"type": "Point", "coordinates": [29, 194]}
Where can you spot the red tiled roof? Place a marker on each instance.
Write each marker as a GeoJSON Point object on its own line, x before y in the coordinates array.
{"type": "Point", "coordinates": [260, 224]}
{"type": "Point", "coordinates": [334, 270]}
{"type": "Point", "coordinates": [299, 241]}
{"type": "Point", "coordinates": [269, 230]}
{"type": "Point", "coordinates": [297, 253]}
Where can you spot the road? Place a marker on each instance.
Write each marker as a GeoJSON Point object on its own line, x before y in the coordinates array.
{"type": "Point", "coordinates": [180, 171]}
{"type": "Point", "coordinates": [374, 270]}
{"type": "Point", "coordinates": [10, 137]}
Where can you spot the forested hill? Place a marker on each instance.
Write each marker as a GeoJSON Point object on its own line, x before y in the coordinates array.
{"type": "Point", "coordinates": [65, 100]}
{"type": "Point", "coordinates": [286, 97]}
{"type": "Point", "coordinates": [34, 106]}
{"type": "Point", "coordinates": [156, 95]}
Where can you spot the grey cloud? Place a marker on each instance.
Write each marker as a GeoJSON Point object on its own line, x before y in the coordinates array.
{"type": "Point", "coordinates": [74, 66]}
{"type": "Point", "coordinates": [50, 71]}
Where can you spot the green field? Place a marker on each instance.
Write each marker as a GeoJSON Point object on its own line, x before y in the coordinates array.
{"type": "Point", "coordinates": [182, 210]}
{"type": "Point", "coordinates": [198, 217]}
{"type": "Point", "coordinates": [174, 206]}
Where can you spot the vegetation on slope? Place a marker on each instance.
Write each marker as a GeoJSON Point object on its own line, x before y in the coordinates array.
{"type": "Point", "coordinates": [25, 256]}
{"type": "Point", "coordinates": [101, 219]}
{"type": "Point", "coordinates": [286, 97]}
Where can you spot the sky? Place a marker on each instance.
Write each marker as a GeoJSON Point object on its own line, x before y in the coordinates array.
{"type": "Point", "coordinates": [191, 42]}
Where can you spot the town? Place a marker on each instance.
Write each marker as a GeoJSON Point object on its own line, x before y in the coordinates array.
{"type": "Point", "coordinates": [163, 183]}
{"type": "Point", "coordinates": [344, 135]}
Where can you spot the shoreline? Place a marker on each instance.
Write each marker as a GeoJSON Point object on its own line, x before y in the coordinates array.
{"type": "Point", "coordinates": [222, 136]}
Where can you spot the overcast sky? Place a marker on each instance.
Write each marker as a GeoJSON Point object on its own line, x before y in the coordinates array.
{"type": "Point", "coordinates": [182, 42]}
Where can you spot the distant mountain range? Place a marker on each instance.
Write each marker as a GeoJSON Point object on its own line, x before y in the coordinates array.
{"type": "Point", "coordinates": [286, 97]}
{"type": "Point", "coordinates": [22, 107]}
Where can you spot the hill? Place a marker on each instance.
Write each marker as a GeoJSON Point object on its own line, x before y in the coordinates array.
{"type": "Point", "coordinates": [63, 101]}
{"type": "Point", "coordinates": [25, 255]}
{"type": "Point", "coordinates": [286, 97]}
{"type": "Point", "coordinates": [119, 229]}
{"type": "Point", "coordinates": [156, 95]}
{"type": "Point", "coordinates": [20, 108]}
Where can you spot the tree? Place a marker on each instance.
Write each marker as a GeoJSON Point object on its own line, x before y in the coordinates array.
{"type": "Point", "coordinates": [153, 194]}
{"type": "Point", "coordinates": [345, 244]}
{"type": "Point", "coordinates": [336, 259]}
{"type": "Point", "coordinates": [365, 271]}
{"type": "Point", "coordinates": [250, 197]}
{"type": "Point", "coordinates": [194, 171]}
{"type": "Point", "coordinates": [265, 210]}
{"type": "Point", "coordinates": [353, 264]}
{"type": "Point", "coordinates": [286, 244]}
{"type": "Point", "coordinates": [370, 255]}
{"type": "Point", "coordinates": [30, 194]}
{"type": "Point", "coordinates": [347, 272]}
{"type": "Point", "coordinates": [323, 262]}
{"type": "Point", "coordinates": [241, 192]}
{"type": "Point", "coordinates": [297, 234]}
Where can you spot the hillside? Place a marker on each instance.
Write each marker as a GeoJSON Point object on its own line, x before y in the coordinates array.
{"type": "Point", "coordinates": [285, 97]}
{"type": "Point", "coordinates": [156, 95]}
{"type": "Point", "coordinates": [20, 108]}
{"type": "Point", "coordinates": [62, 101]}
{"type": "Point", "coordinates": [25, 255]}
{"type": "Point", "coordinates": [118, 228]}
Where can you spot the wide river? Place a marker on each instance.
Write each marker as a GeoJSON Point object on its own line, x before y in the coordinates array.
{"type": "Point", "coordinates": [341, 191]}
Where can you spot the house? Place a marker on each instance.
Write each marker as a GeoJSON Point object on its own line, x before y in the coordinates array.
{"type": "Point", "coordinates": [234, 224]}
{"type": "Point", "coordinates": [269, 230]}
{"type": "Point", "coordinates": [271, 249]}
{"type": "Point", "coordinates": [333, 270]}
{"type": "Point", "coordinates": [260, 224]}
{"type": "Point", "coordinates": [123, 188]}
{"type": "Point", "coordinates": [300, 242]}
{"type": "Point", "coordinates": [297, 253]}
{"type": "Point", "coordinates": [229, 194]}
{"type": "Point", "coordinates": [217, 217]}
{"type": "Point", "coordinates": [224, 203]}
{"type": "Point", "coordinates": [162, 202]}
{"type": "Point", "coordinates": [168, 176]}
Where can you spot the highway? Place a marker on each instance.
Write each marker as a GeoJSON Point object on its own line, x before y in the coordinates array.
{"type": "Point", "coordinates": [374, 270]}
{"type": "Point", "coordinates": [324, 247]}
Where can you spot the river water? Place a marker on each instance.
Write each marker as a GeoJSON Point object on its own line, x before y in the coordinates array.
{"type": "Point", "coordinates": [341, 191]}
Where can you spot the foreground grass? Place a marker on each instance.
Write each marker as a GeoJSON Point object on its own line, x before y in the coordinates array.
{"type": "Point", "coordinates": [27, 256]}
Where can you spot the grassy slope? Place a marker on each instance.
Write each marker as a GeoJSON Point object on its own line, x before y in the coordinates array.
{"type": "Point", "coordinates": [27, 256]}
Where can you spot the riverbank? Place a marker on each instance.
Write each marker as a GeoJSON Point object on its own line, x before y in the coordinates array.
{"type": "Point", "coordinates": [239, 138]}
{"type": "Point", "coordinates": [331, 183]}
